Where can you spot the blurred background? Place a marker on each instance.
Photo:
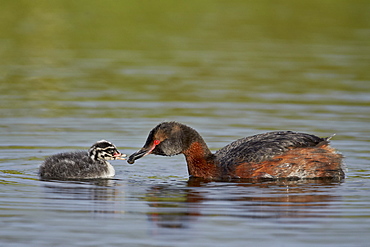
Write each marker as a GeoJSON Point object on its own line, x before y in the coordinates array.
{"type": "Point", "coordinates": [188, 61]}
{"type": "Point", "coordinates": [55, 52]}
{"type": "Point", "coordinates": [74, 72]}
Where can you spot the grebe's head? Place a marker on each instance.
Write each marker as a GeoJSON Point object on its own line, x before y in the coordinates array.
{"type": "Point", "coordinates": [167, 139]}
{"type": "Point", "coordinates": [104, 150]}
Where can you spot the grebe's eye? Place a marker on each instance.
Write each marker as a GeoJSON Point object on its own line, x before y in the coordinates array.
{"type": "Point", "coordinates": [156, 142]}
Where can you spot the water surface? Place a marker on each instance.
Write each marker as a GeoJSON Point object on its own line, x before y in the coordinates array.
{"type": "Point", "coordinates": [73, 73]}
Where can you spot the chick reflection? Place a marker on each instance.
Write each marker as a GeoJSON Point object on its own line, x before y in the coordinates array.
{"type": "Point", "coordinates": [82, 195]}
{"type": "Point", "coordinates": [179, 205]}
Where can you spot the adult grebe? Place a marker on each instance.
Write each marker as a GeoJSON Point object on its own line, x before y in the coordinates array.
{"type": "Point", "coordinates": [273, 155]}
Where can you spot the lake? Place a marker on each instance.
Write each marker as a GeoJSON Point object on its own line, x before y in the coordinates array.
{"type": "Point", "coordinates": [73, 73]}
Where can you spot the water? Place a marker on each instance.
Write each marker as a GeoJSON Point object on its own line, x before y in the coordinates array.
{"type": "Point", "coordinates": [73, 73]}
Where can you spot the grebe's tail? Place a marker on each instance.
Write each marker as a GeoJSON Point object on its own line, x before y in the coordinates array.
{"type": "Point", "coordinates": [329, 138]}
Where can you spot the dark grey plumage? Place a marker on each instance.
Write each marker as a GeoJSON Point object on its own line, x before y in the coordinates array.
{"type": "Point", "coordinates": [82, 164]}
{"type": "Point", "coordinates": [265, 146]}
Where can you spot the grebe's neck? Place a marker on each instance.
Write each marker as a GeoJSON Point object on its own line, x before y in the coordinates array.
{"type": "Point", "coordinates": [200, 160]}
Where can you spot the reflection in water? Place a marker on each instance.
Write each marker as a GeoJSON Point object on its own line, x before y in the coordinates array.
{"type": "Point", "coordinates": [173, 206]}
{"type": "Point", "coordinates": [73, 193]}
{"type": "Point", "coordinates": [177, 206]}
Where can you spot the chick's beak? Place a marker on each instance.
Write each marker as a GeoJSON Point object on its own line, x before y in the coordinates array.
{"type": "Point", "coordinates": [119, 156]}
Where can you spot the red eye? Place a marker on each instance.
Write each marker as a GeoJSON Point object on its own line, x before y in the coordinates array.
{"type": "Point", "coordinates": [156, 142]}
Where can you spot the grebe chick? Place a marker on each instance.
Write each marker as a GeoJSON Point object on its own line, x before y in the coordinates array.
{"type": "Point", "coordinates": [273, 155]}
{"type": "Point", "coordinates": [81, 164]}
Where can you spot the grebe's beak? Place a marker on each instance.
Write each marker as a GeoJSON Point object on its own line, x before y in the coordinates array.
{"type": "Point", "coordinates": [119, 156]}
{"type": "Point", "coordinates": [137, 155]}
{"type": "Point", "coordinates": [147, 149]}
